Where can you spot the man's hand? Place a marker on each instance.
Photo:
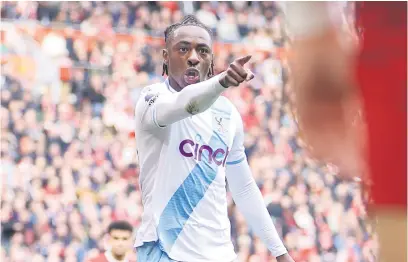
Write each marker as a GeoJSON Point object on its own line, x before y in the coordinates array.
{"type": "Point", "coordinates": [285, 258]}
{"type": "Point", "coordinates": [236, 73]}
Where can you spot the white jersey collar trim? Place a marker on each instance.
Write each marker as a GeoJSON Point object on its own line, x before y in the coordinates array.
{"type": "Point", "coordinates": [167, 83]}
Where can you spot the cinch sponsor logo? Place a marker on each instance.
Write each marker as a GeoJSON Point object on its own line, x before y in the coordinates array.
{"type": "Point", "coordinates": [189, 148]}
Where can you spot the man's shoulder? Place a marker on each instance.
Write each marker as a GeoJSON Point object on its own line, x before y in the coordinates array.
{"type": "Point", "coordinates": [154, 88]}
{"type": "Point", "coordinates": [223, 102]}
{"type": "Point", "coordinates": [226, 106]}
{"type": "Point", "coordinates": [151, 92]}
{"type": "Point", "coordinates": [224, 99]}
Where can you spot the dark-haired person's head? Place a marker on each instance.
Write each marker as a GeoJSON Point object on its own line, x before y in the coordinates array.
{"type": "Point", "coordinates": [120, 238]}
{"type": "Point", "coordinates": [188, 56]}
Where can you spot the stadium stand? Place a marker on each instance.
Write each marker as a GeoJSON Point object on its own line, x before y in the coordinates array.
{"type": "Point", "coordinates": [71, 74]}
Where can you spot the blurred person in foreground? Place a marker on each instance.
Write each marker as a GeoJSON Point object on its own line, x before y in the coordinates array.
{"type": "Point", "coordinates": [119, 243]}
{"type": "Point", "coordinates": [326, 76]}
{"type": "Point", "coordinates": [189, 140]}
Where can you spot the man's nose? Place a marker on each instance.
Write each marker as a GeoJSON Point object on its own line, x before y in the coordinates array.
{"type": "Point", "coordinates": [193, 60]}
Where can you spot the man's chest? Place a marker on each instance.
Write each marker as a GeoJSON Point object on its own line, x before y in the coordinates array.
{"type": "Point", "coordinates": [204, 137]}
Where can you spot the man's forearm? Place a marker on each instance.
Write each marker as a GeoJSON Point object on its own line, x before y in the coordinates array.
{"type": "Point", "coordinates": [249, 201]}
{"type": "Point", "coordinates": [192, 100]}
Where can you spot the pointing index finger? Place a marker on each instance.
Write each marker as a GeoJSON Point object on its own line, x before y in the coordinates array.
{"type": "Point", "coordinates": [243, 60]}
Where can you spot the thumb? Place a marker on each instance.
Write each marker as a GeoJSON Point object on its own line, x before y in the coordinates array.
{"type": "Point", "coordinates": [243, 60]}
{"type": "Point", "coordinates": [250, 75]}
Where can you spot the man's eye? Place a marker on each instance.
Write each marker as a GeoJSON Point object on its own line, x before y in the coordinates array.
{"type": "Point", "coordinates": [203, 51]}
{"type": "Point", "coordinates": [183, 49]}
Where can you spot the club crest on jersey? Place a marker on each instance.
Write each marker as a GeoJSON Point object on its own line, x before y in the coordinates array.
{"type": "Point", "coordinates": [151, 98]}
{"type": "Point", "coordinates": [220, 124]}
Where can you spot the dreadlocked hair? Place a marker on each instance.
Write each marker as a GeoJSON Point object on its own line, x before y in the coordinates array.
{"type": "Point", "coordinates": [188, 20]}
{"type": "Point", "coordinates": [165, 70]}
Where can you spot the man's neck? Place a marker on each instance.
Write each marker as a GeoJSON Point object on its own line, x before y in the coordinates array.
{"type": "Point", "coordinates": [173, 84]}
{"type": "Point", "coordinates": [114, 258]}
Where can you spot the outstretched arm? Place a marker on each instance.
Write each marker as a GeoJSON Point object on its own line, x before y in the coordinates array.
{"type": "Point", "coordinates": [154, 110]}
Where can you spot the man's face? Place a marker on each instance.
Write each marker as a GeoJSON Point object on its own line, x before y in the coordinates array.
{"type": "Point", "coordinates": [188, 56]}
{"type": "Point", "coordinates": [120, 241]}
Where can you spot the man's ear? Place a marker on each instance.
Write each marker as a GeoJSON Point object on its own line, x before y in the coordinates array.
{"type": "Point", "coordinates": [165, 55]}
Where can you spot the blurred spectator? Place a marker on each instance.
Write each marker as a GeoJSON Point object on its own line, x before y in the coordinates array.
{"type": "Point", "coordinates": [119, 244]}
{"type": "Point", "coordinates": [69, 169]}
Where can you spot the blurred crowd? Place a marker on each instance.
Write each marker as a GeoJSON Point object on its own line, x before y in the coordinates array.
{"type": "Point", "coordinates": [69, 168]}
{"type": "Point", "coordinates": [231, 21]}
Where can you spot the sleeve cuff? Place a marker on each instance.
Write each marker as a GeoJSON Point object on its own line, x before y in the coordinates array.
{"type": "Point", "coordinates": [216, 82]}
{"type": "Point", "coordinates": [278, 253]}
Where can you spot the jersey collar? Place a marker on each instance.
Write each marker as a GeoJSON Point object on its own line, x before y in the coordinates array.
{"type": "Point", "coordinates": [167, 83]}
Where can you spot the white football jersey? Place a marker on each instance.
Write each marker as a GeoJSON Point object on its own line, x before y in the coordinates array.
{"type": "Point", "coordinates": [182, 177]}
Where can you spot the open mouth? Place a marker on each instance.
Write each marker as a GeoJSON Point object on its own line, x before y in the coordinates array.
{"type": "Point", "coordinates": [192, 76]}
